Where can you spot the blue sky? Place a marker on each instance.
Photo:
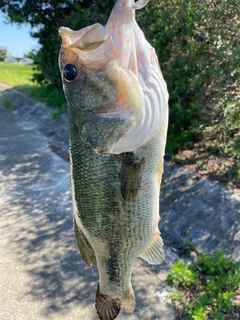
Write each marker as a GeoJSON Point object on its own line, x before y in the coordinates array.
{"type": "Point", "coordinates": [16, 38]}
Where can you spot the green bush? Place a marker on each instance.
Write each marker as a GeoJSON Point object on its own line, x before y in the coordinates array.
{"type": "Point", "coordinates": [2, 55]}
{"type": "Point", "coordinates": [205, 290]}
{"type": "Point", "coordinates": [197, 43]}
{"type": "Point", "coordinates": [180, 273]}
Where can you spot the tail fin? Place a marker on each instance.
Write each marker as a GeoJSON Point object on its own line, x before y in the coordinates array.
{"type": "Point", "coordinates": [108, 309]}
{"type": "Point", "coordinates": [128, 302]}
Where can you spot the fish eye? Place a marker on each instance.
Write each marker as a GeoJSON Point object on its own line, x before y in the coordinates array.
{"type": "Point", "coordinates": [69, 72]}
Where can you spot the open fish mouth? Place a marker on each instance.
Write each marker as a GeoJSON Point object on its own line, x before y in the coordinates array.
{"type": "Point", "coordinates": [94, 36]}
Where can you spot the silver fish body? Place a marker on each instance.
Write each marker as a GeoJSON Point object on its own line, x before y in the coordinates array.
{"type": "Point", "coordinates": [118, 118]}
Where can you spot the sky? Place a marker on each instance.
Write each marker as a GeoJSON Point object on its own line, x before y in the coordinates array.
{"type": "Point", "coordinates": [16, 38]}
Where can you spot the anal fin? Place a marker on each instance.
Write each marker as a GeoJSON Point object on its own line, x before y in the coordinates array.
{"type": "Point", "coordinates": [154, 253]}
{"type": "Point", "coordinates": [84, 246]}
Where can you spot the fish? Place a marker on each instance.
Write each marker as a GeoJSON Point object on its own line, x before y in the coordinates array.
{"type": "Point", "coordinates": [118, 117]}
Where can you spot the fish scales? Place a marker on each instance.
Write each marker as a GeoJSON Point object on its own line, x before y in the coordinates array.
{"type": "Point", "coordinates": [98, 198]}
{"type": "Point", "coordinates": [118, 117]}
{"type": "Point", "coordinates": [97, 188]}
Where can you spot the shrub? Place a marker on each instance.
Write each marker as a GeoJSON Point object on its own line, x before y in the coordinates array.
{"type": "Point", "coordinates": [197, 43]}
{"type": "Point", "coordinates": [205, 290]}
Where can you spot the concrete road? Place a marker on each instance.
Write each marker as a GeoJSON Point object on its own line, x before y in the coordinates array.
{"type": "Point", "coordinates": [41, 273]}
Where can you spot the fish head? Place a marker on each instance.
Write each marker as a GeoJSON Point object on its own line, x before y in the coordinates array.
{"type": "Point", "coordinates": [106, 73]}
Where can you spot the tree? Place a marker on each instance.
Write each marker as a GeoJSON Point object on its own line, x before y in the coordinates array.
{"type": "Point", "coordinates": [3, 53]}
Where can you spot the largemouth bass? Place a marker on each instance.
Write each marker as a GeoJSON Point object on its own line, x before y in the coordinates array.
{"type": "Point", "coordinates": [118, 117]}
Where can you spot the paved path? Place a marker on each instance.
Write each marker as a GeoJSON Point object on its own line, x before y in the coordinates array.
{"type": "Point", "coordinates": [202, 210]}
{"type": "Point", "coordinates": [41, 273]}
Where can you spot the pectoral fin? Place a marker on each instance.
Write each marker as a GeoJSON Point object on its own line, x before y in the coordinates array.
{"type": "Point", "coordinates": [84, 246]}
{"type": "Point", "coordinates": [130, 175]}
{"type": "Point", "coordinates": [154, 253]}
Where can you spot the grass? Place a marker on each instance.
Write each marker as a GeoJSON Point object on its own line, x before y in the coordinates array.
{"type": "Point", "coordinates": [20, 76]}
{"type": "Point", "coordinates": [14, 74]}
{"type": "Point", "coordinates": [7, 104]}
{"type": "Point", "coordinates": [209, 289]}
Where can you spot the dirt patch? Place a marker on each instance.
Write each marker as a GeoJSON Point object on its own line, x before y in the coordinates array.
{"type": "Point", "coordinates": [209, 165]}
